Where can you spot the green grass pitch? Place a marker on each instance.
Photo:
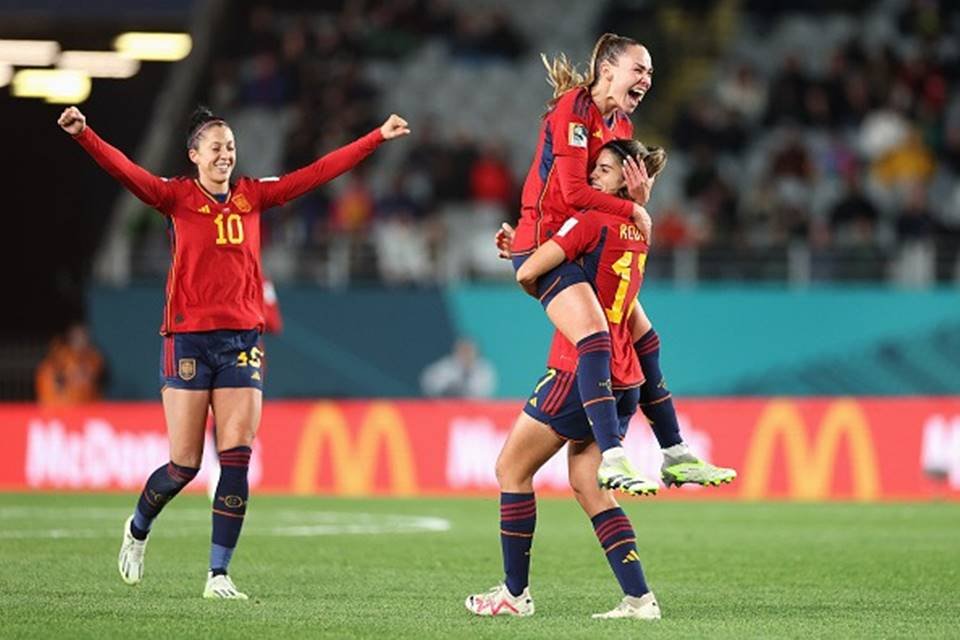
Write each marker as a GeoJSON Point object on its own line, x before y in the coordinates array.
{"type": "Point", "coordinates": [388, 569]}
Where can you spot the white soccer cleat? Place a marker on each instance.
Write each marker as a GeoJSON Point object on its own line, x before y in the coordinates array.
{"type": "Point", "coordinates": [616, 472]}
{"type": "Point", "coordinates": [221, 587]}
{"type": "Point", "coordinates": [643, 608]}
{"type": "Point", "coordinates": [498, 601]}
{"type": "Point", "coordinates": [130, 560]}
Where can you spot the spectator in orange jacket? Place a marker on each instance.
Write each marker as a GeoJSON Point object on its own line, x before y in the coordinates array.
{"type": "Point", "coordinates": [72, 372]}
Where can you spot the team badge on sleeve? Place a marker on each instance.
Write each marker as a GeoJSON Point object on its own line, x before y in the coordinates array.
{"type": "Point", "coordinates": [578, 135]}
{"type": "Point", "coordinates": [187, 368]}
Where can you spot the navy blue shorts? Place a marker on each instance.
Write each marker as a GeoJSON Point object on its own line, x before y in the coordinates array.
{"type": "Point", "coordinates": [556, 280]}
{"type": "Point", "coordinates": [555, 401]}
{"type": "Point", "coordinates": [212, 359]}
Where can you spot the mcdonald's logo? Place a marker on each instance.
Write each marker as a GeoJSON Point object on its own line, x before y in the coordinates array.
{"type": "Point", "coordinates": [353, 463]}
{"type": "Point", "coordinates": [810, 469]}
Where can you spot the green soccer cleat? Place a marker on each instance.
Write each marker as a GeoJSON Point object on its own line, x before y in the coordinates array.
{"type": "Point", "coordinates": [616, 472]}
{"type": "Point", "coordinates": [685, 468]}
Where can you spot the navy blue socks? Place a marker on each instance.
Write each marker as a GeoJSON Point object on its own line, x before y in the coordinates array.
{"type": "Point", "coordinates": [596, 389]}
{"type": "Point", "coordinates": [619, 543]}
{"type": "Point", "coordinates": [162, 486]}
{"type": "Point", "coordinates": [655, 400]}
{"type": "Point", "coordinates": [518, 518]}
{"type": "Point", "coordinates": [229, 506]}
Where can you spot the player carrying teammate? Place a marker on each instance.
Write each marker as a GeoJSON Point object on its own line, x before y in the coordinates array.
{"type": "Point", "coordinates": [586, 112]}
{"type": "Point", "coordinates": [213, 317]}
{"type": "Point", "coordinates": [612, 253]}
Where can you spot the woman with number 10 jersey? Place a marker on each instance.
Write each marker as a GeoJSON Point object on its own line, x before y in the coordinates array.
{"type": "Point", "coordinates": [213, 317]}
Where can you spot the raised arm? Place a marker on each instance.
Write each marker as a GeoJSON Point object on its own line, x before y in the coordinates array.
{"type": "Point", "coordinates": [276, 191]}
{"type": "Point", "coordinates": [152, 190]}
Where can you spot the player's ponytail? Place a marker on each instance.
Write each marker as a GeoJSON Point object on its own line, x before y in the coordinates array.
{"type": "Point", "coordinates": [200, 119]}
{"type": "Point", "coordinates": [654, 159]}
{"type": "Point", "coordinates": [563, 75]}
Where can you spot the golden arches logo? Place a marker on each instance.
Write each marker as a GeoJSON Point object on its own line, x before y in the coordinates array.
{"type": "Point", "coordinates": [810, 468]}
{"type": "Point", "coordinates": [353, 463]}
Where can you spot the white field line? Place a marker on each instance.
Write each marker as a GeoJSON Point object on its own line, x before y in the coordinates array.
{"type": "Point", "coordinates": [20, 523]}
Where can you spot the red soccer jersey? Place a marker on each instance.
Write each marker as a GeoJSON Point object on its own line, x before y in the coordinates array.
{"type": "Point", "coordinates": [215, 280]}
{"type": "Point", "coordinates": [613, 255]}
{"type": "Point", "coordinates": [557, 184]}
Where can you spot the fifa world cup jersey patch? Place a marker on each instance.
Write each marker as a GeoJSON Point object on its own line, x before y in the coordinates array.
{"type": "Point", "coordinates": [578, 135]}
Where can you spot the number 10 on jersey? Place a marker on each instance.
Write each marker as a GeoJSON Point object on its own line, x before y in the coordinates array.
{"type": "Point", "coordinates": [232, 231]}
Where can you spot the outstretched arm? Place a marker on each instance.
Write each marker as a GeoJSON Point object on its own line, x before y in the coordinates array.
{"type": "Point", "coordinates": [152, 190]}
{"type": "Point", "coordinates": [276, 191]}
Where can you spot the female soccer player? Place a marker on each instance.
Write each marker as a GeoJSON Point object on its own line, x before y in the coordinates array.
{"type": "Point", "coordinates": [586, 112]}
{"type": "Point", "coordinates": [613, 254]}
{"type": "Point", "coordinates": [213, 316]}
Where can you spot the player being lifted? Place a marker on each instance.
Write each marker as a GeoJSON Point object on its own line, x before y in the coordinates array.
{"type": "Point", "coordinates": [213, 317]}
{"type": "Point", "coordinates": [612, 254]}
{"type": "Point", "coordinates": [586, 112]}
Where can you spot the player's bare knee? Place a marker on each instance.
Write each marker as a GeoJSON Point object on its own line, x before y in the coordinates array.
{"type": "Point", "coordinates": [510, 478]}
{"type": "Point", "coordinates": [186, 458]}
{"type": "Point", "coordinates": [583, 488]}
{"type": "Point", "coordinates": [234, 436]}
{"type": "Point", "coordinates": [594, 502]}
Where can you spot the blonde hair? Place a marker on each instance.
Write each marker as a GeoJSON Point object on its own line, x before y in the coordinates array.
{"type": "Point", "coordinates": [563, 75]}
{"type": "Point", "coordinates": [654, 158]}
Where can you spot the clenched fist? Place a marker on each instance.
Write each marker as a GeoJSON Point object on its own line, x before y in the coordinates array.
{"type": "Point", "coordinates": [394, 127]}
{"type": "Point", "coordinates": [72, 121]}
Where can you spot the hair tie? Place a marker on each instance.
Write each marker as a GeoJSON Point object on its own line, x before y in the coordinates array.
{"type": "Point", "coordinates": [619, 149]}
{"type": "Point", "coordinates": [196, 134]}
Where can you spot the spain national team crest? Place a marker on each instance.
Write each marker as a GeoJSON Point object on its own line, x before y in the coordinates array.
{"type": "Point", "coordinates": [240, 202]}
{"type": "Point", "coordinates": [187, 368]}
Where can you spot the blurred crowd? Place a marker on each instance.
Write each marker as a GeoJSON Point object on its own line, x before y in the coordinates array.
{"type": "Point", "coordinates": [314, 67]}
{"type": "Point", "coordinates": [856, 147]}
{"type": "Point", "coordinates": [862, 150]}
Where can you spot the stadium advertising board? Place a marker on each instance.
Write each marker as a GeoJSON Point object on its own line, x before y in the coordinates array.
{"type": "Point", "coordinates": [791, 449]}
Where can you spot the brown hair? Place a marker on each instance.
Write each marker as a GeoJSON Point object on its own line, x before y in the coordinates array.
{"type": "Point", "coordinates": [654, 158]}
{"type": "Point", "coordinates": [563, 75]}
